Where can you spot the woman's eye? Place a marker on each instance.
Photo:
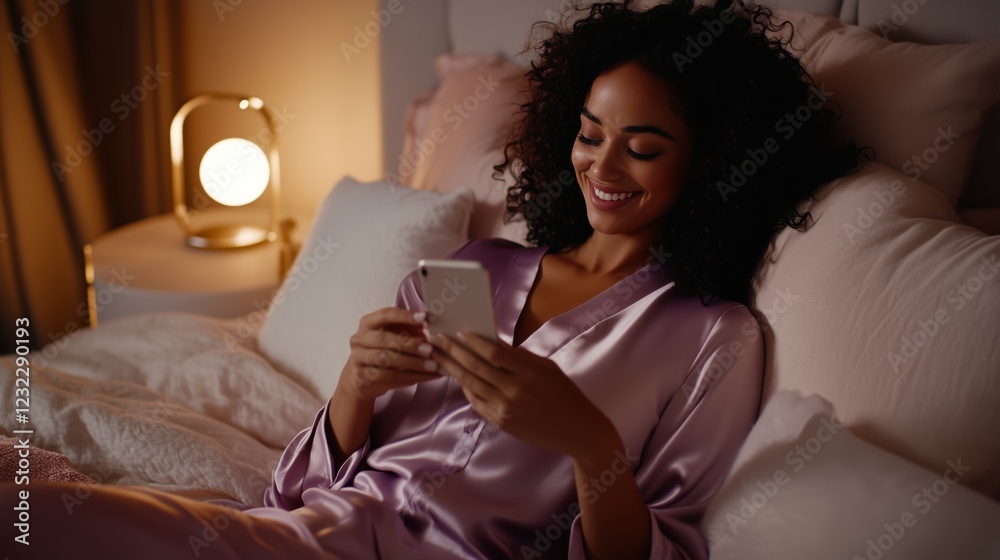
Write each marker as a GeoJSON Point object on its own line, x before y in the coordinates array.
{"type": "Point", "coordinates": [588, 141]}
{"type": "Point", "coordinates": [640, 156]}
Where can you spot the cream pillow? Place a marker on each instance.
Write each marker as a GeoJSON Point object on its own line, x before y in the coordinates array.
{"type": "Point", "coordinates": [922, 108]}
{"type": "Point", "coordinates": [365, 239]}
{"type": "Point", "coordinates": [804, 487]}
{"type": "Point", "coordinates": [890, 310]}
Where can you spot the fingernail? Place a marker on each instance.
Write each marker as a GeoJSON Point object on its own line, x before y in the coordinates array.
{"type": "Point", "coordinates": [419, 316]}
{"type": "Point", "coordinates": [463, 336]}
{"type": "Point", "coordinates": [437, 339]}
{"type": "Point", "coordinates": [430, 365]}
{"type": "Point", "coordinates": [425, 349]}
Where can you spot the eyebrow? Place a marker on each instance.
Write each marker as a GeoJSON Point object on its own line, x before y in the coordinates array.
{"type": "Point", "coordinates": [647, 128]}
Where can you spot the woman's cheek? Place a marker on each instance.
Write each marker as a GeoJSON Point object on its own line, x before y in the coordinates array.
{"type": "Point", "coordinates": [581, 159]}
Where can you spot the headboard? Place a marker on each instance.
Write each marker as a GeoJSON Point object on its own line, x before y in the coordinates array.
{"type": "Point", "coordinates": [421, 31]}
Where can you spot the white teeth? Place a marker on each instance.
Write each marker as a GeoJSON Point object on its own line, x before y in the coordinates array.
{"type": "Point", "coordinates": [611, 197]}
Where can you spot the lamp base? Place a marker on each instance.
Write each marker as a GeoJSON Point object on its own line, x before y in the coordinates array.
{"type": "Point", "coordinates": [230, 237]}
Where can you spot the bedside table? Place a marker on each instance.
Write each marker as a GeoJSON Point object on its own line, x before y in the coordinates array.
{"type": "Point", "coordinates": [147, 266]}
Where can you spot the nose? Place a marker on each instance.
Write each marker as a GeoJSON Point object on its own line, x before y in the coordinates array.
{"type": "Point", "coordinates": [607, 162]}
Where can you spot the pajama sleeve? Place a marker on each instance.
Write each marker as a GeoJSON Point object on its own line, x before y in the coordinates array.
{"type": "Point", "coordinates": [700, 431]}
{"type": "Point", "coordinates": [307, 461]}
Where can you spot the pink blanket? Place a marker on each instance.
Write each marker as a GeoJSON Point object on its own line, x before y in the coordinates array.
{"type": "Point", "coordinates": [37, 465]}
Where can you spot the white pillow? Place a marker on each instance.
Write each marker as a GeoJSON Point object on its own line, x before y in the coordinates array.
{"type": "Point", "coordinates": [804, 487]}
{"type": "Point", "coordinates": [889, 309]}
{"type": "Point", "coordinates": [365, 239]}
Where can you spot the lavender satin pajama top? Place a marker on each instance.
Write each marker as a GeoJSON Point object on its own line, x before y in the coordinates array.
{"type": "Point", "coordinates": [681, 382]}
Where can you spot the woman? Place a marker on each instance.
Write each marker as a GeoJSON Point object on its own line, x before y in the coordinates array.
{"type": "Point", "coordinates": [628, 371]}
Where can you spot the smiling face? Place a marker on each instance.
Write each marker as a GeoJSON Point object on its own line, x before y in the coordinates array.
{"type": "Point", "coordinates": [633, 153]}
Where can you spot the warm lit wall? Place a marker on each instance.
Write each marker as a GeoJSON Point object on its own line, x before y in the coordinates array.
{"type": "Point", "coordinates": [290, 54]}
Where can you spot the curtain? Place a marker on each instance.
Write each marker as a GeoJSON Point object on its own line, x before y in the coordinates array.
{"type": "Point", "coordinates": [82, 146]}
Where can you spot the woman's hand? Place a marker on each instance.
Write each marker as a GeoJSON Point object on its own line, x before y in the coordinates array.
{"type": "Point", "coordinates": [532, 399]}
{"type": "Point", "coordinates": [524, 394]}
{"type": "Point", "coordinates": [388, 351]}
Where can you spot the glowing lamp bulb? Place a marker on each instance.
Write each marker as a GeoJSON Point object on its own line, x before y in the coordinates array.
{"type": "Point", "coordinates": [234, 172]}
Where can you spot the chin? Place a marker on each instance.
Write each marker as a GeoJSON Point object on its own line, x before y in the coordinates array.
{"type": "Point", "coordinates": [606, 227]}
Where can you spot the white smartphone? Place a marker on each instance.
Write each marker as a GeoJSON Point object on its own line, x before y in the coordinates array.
{"type": "Point", "coordinates": [458, 297]}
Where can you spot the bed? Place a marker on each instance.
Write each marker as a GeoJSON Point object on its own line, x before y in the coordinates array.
{"type": "Point", "coordinates": [882, 320]}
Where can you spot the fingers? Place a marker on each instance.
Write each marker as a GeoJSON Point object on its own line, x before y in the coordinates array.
{"type": "Point", "coordinates": [503, 355]}
{"type": "Point", "coordinates": [374, 381]}
{"type": "Point", "coordinates": [484, 398]}
{"type": "Point", "coordinates": [490, 410]}
{"type": "Point", "coordinates": [389, 351]}
{"type": "Point", "coordinates": [375, 371]}
{"type": "Point", "coordinates": [389, 316]}
{"type": "Point", "coordinates": [486, 372]}
{"type": "Point", "coordinates": [387, 360]}
{"type": "Point", "coordinates": [473, 382]}
{"type": "Point", "coordinates": [469, 361]}
{"type": "Point", "coordinates": [391, 343]}
{"type": "Point", "coordinates": [495, 362]}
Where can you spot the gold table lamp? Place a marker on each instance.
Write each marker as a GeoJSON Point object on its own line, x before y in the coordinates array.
{"type": "Point", "coordinates": [233, 172]}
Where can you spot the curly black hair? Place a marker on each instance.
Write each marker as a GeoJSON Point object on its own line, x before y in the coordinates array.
{"type": "Point", "coordinates": [763, 132]}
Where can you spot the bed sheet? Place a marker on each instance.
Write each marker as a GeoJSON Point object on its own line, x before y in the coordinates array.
{"type": "Point", "coordinates": [172, 401]}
